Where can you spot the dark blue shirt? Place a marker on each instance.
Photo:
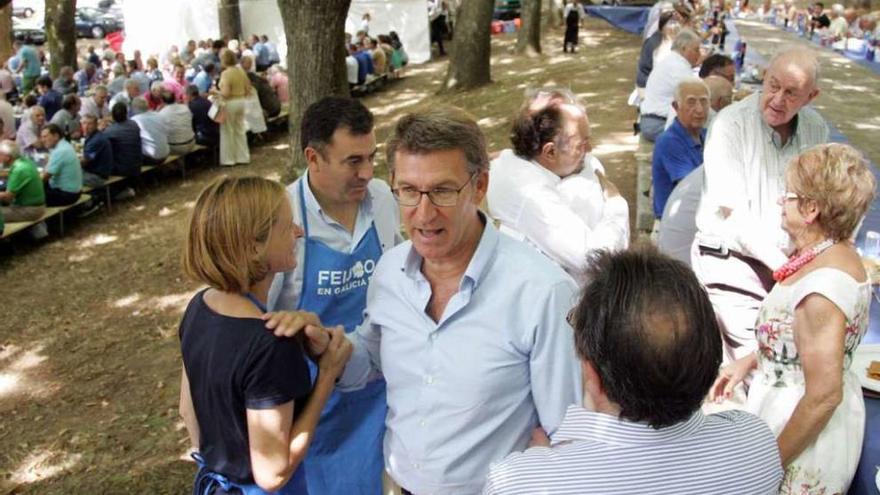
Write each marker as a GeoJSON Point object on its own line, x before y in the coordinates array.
{"type": "Point", "coordinates": [676, 154]}
{"type": "Point", "coordinates": [125, 140]}
{"type": "Point", "coordinates": [51, 102]}
{"type": "Point", "coordinates": [365, 65]}
{"type": "Point", "coordinates": [207, 131]}
{"type": "Point", "coordinates": [98, 154]}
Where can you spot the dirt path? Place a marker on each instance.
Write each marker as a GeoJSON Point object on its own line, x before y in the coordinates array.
{"type": "Point", "coordinates": [89, 360]}
{"type": "Point", "coordinates": [850, 97]}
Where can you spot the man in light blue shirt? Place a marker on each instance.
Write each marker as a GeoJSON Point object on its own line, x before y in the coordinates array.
{"type": "Point", "coordinates": [466, 325]}
{"type": "Point", "coordinates": [261, 54]}
{"type": "Point", "coordinates": [30, 67]}
{"type": "Point", "coordinates": [204, 79]}
{"type": "Point", "coordinates": [650, 348]}
{"type": "Point", "coordinates": [63, 172]}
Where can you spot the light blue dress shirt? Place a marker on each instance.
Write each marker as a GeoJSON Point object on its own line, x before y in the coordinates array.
{"type": "Point", "coordinates": [469, 389]}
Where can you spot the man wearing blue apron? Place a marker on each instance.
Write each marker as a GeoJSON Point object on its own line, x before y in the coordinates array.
{"type": "Point", "coordinates": [349, 220]}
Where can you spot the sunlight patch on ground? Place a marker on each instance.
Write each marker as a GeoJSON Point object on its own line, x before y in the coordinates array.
{"type": "Point", "coordinates": [616, 143]}
{"type": "Point", "coordinates": [189, 205]}
{"type": "Point", "coordinates": [13, 379]}
{"type": "Point", "coordinates": [491, 121]}
{"type": "Point", "coordinates": [867, 127]}
{"type": "Point", "coordinates": [165, 211]}
{"type": "Point", "coordinates": [404, 102]}
{"type": "Point", "coordinates": [851, 87]}
{"type": "Point", "coordinates": [282, 146]}
{"type": "Point", "coordinates": [272, 176]}
{"type": "Point", "coordinates": [39, 466]}
{"type": "Point", "coordinates": [127, 301]}
{"type": "Point", "coordinates": [176, 302]}
{"type": "Point", "coordinates": [97, 240]}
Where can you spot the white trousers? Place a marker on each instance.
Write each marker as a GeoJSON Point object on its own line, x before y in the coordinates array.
{"type": "Point", "coordinates": [233, 134]}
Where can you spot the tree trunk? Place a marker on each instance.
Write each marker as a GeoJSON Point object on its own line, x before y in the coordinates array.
{"type": "Point", "coordinates": [5, 30]}
{"type": "Point", "coordinates": [315, 31]}
{"type": "Point", "coordinates": [528, 40]}
{"type": "Point", "coordinates": [469, 60]}
{"type": "Point", "coordinates": [229, 17]}
{"type": "Point", "coordinates": [60, 34]}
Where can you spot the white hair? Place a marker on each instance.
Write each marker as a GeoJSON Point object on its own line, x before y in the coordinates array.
{"type": "Point", "coordinates": [690, 81]}
{"type": "Point", "coordinates": [685, 39]}
{"type": "Point", "coordinates": [838, 9]}
{"type": "Point", "coordinates": [803, 57]}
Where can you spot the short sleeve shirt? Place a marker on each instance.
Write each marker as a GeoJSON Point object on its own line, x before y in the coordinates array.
{"type": "Point", "coordinates": [28, 54]}
{"type": "Point", "coordinates": [235, 364]}
{"type": "Point", "coordinates": [64, 168]}
{"type": "Point", "coordinates": [24, 181]}
{"type": "Point", "coordinates": [676, 155]}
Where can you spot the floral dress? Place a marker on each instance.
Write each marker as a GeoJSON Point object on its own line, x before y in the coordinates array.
{"type": "Point", "coordinates": [827, 466]}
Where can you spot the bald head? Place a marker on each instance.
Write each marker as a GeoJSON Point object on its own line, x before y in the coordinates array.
{"type": "Point", "coordinates": [720, 92]}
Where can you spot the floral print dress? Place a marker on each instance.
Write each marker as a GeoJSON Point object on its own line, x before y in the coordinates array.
{"type": "Point", "coordinates": [827, 466]}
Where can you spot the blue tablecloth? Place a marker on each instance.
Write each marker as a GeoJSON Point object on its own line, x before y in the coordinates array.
{"type": "Point", "coordinates": [856, 57]}
{"type": "Point", "coordinates": [631, 19]}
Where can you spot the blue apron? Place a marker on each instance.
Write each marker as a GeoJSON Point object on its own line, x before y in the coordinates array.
{"type": "Point", "coordinates": [207, 482]}
{"type": "Point", "coordinates": [345, 457]}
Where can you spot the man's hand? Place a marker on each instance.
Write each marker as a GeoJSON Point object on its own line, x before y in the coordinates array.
{"type": "Point", "coordinates": [289, 323]}
{"type": "Point", "coordinates": [318, 338]}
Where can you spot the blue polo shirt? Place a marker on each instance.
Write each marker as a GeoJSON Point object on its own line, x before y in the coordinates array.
{"type": "Point", "coordinates": [676, 154]}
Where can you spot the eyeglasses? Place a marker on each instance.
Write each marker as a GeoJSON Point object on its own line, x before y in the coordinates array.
{"type": "Point", "coordinates": [439, 196]}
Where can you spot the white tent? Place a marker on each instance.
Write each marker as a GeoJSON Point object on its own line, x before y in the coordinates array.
{"type": "Point", "coordinates": [153, 26]}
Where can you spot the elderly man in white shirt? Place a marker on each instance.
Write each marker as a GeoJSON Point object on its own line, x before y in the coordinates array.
{"type": "Point", "coordinates": [178, 122]}
{"type": "Point", "coordinates": [154, 133]}
{"type": "Point", "coordinates": [660, 88]}
{"type": "Point", "coordinates": [549, 191]}
{"type": "Point", "coordinates": [739, 239]}
{"type": "Point", "coordinates": [467, 325]}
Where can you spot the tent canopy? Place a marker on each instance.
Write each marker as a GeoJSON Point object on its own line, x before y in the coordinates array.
{"type": "Point", "coordinates": [153, 26]}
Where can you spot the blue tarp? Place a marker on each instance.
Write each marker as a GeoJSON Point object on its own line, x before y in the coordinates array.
{"type": "Point", "coordinates": [631, 19]}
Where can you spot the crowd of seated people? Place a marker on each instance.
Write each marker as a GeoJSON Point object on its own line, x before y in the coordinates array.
{"type": "Point", "coordinates": [114, 114]}
{"type": "Point", "coordinates": [370, 58]}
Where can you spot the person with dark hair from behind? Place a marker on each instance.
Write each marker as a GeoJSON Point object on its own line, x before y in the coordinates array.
{"type": "Point", "coordinates": [49, 99]}
{"type": "Point", "coordinates": [650, 348]}
{"type": "Point", "coordinates": [125, 140]}
{"type": "Point", "coordinates": [207, 131]}
{"type": "Point", "coordinates": [718, 64]}
{"type": "Point", "coordinates": [349, 219]}
{"type": "Point", "coordinates": [68, 118]}
{"type": "Point", "coordinates": [97, 158]}
{"type": "Point", "coordinates": [63, 174]}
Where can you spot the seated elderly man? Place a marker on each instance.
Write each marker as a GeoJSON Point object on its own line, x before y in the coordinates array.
{"type": "Point", "coordinates": [97, 159]}
{"type": "Point", "coordinates": [640, 428]}
{"type": "Point", "coordinates": [125, 140]}
{"type": "Point", "coordinates": [153, 97]}
{"type": "Point", "coordinates": [679, 150]}
{"type": "Point", "coordinates": [137, 73]}
{"type": "Point", "coordinates": [86, 77]}
{"type": "Point", "coordinates": [131, 90]}
{"type": "Point", "coordinates": [204, 80]}
{"type": "Point", "coordinates": [28, 136]}
{"type": "Point", "coordinates": [68, 118]}
{"type": "Point", "coordinates": [178, 121]}
{"type": "Point", "coordinates": [63, 173]}
{"type": "Point", "coordinates": [660, 88]}
{"type": "Point", "coordinates": [279, 83]}
{"type": "Point", "coordinates": [65, 83]}
{"type": "Point", "coordinates": [549, 191]}
{"type": "Point", "coordinates": [96, 104]}
{"type": "Point", "coordinates": [740, 240]}
{"type": "Point", "coordinates": [49, 99]}
{"type": "Point", "coordinates": [839, 26]}
{"type": "Point", "coordinates": [206, 129]}
{"type": "Point", "coordinates": [24, 199]}
{"type": "Point", "coordinates": [154, 132]}
{"type": "Point", "coordinates": [117, 84]}
{"type": "Point", "coordinates": [720, 96]}
{"type": "Point", "coordinates": [718, 65]}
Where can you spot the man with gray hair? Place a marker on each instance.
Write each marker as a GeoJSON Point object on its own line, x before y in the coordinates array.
{"type": "Point", "coordinates": [839, 26]}
{"type": "Point", "coordinates": [679, 149]}
{"type": "Point", "coordinates": [96, 104]}
{"type": "Point", "coordinates": [131, 90]}
{"type": "Point", "coordinates": [154, 132]}
{"type": "Point", "coordinates": [739, 240]}
{"type": "Point", "coordinates": [549, 191]}
{"type": "Point", "coordinates": [660, 89]}
{"type": "Point", "coordinates": [117, 84]}
{"type": "Point", "coordinates": [466, 325]}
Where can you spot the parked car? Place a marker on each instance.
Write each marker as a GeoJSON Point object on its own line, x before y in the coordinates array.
{"type": "Point", "coordinates": [26, 8]}
{"type": "Point", "coordinates": [93, 23]}
{"type": "Point", "coordinates": [506, 10]}
{"type": "Point", "coordinates": [28, 32]}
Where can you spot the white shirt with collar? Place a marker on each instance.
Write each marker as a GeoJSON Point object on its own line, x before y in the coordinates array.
{"type": "Point", "coordinates": [563, 218]}
{"type": "Point", "coordinates": [661, 85]}
{"type": "Point", "coordinates": [377, 206]}
{"type": "Point", "coordinates": [744, 166]}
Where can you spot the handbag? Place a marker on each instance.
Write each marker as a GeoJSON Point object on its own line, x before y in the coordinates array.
{"type": "Point", "coordinates": [217, 112]}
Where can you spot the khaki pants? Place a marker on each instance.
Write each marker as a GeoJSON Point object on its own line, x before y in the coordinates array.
{"type": "Point", "coordinates": [233, 133]}
{"type": "Point", "coordinates": [22, 213]}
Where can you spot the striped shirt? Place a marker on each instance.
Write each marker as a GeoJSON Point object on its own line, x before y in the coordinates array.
{"type": "Point", "coordinates": [744, 170]}
{"type": "Point", "coordinates": [732, 452]}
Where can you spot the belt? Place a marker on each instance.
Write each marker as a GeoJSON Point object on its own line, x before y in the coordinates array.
{"type": "Point", "coordinates": [653, 116]}
{"type": "Point", "coordinates": [764, 274]}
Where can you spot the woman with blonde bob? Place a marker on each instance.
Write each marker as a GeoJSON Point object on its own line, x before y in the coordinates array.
{"type": "Point", "coordinates": [810, 324]}
{"type": "Point", "coordinates": [246, 396]}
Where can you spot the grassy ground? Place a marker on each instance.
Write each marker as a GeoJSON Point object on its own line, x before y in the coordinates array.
{"type": "Point", "coordinates": [89, 360]}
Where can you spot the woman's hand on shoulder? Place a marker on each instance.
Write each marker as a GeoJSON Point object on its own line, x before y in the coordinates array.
{"type": "Point", "coordinates": [289, 323]}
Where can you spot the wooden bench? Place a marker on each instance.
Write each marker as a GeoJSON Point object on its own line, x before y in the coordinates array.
{"type": "Point", "coordinates": [370, 85]}
{"type": "Point", "coordinates": [113, 179]}
{"type": "Point", "coordinates": [52, 211]}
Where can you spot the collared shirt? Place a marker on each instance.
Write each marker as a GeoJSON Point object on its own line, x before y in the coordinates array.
{"type": "Point", "coordinates": [64, 168]}
{"type": "Point", "coordinates": [661, 85]}
{"type": "Point", "coordinates": [83, 81]}
{"type": "Point", "coordinates": [68, 122]}
{"type": "Point", "coordinates": [178, 121]}
{"type": "Point", "coordinates": [64, 86]}
{"type": "Point", "coordinates": [378, 206]}
{"type": "Point", "coordinates": [98, 154]}
{"type": "Point", "coordinates": [467, 390]}
{"type": "Point", "coordinates": [598, 453]}
{"type": "Point", "coordinates": [154, 135]}
{"type": "Point", "coordinates": [745, 162]}
{"type": "Point", "coordinates": [676, 154]}
{"type": "Point", "coordinates": [563, 218]}
{"type": "Point", "coordinates": [89, 107]}
{"type": "Point", "coordinates": [125, 141]}
{"type": "Point", "coordinates": [203, 81]}
{"type": "Point", "coordinates": [51, 102]}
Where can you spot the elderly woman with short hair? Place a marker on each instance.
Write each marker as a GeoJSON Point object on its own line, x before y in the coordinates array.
{"type": "Point", "coordinates": [810, 324]}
